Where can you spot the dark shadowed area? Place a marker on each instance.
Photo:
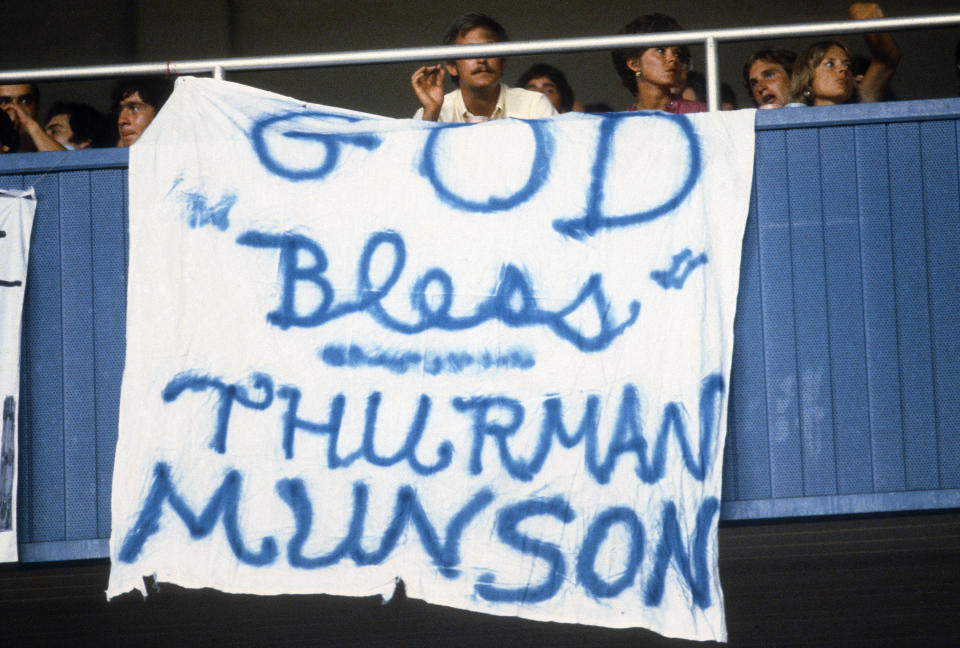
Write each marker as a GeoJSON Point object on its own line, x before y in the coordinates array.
{"type": "Point", "coordinates": [866, 581]}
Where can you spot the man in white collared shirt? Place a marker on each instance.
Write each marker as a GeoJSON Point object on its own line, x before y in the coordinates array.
{"type": "Point", "coordinates": [480, 95]}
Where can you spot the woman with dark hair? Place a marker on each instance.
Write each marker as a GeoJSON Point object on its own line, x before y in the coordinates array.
{"type": "Point", "coordinates": [823, 75]}
{"type": "Point", "coordinates": [655, 74]}
{"type": "Point", "coordinates": [550, 81]}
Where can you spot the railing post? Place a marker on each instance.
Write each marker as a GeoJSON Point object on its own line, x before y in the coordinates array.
{"type": "Point", "coordinates": [218, 72]}
{"type": "Point", "coordinates": [713, 75]}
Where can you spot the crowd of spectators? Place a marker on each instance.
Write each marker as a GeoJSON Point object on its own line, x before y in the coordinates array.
{"type": "Point", "coordinates": [71, 125]}
{"type": "Point", "coordinates": [658, 78]}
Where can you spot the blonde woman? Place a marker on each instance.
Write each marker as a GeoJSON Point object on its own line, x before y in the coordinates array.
{"type": "Point", "coordinates": [823, 76]}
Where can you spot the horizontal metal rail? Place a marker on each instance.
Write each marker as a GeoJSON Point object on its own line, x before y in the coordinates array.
{"type": "Point", "coordinates": [709, 38]}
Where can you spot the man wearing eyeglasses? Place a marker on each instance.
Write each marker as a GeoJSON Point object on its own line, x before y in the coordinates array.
{"type": "Point", "coordinates": [19, 101]}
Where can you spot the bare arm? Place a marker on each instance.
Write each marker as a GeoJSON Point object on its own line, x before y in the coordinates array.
{"type": "Point", "coordinates": [883, 50]}
{"type": "Point", "coordinates": [427, 83]}
{"type": "Point", "coordinates": [32, 127]}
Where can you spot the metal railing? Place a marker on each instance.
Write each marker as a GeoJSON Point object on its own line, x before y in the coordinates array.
{"type": "Point", "coordinates": [709, 38]}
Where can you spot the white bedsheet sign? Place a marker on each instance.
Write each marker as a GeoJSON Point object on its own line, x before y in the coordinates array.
{"type": "Point", "coordinates": [17, 209]}
{"type": "Point", "coordinates": [490, 360]}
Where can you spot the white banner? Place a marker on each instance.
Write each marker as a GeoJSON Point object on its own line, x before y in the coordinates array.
{"type": "Point", "coordinates": [16, 222]}
{"type": "Point", "coordinates": [490, 360]}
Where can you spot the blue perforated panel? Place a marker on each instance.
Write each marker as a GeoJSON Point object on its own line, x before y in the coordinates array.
{"type": "Point", "coordinates": [847, 356]}
{"type": "Point", "coordinates": [852, 247]}
{"type": "Point", "coordinates": [72, 348]}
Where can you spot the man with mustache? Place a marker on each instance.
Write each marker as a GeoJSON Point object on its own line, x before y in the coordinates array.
{"type": "Point", "coordinates": [480, 95]}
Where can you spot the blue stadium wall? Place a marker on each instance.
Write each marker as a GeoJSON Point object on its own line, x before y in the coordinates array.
{"type": "Point", "coordinates": [845, 394]}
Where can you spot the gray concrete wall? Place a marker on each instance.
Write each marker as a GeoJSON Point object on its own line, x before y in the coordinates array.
{"type": "Point", "coordinates": [110, 31]}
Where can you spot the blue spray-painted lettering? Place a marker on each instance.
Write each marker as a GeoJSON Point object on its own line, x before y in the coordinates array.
{"type": "Point", "coordinates": [294, 493]}
{"type": "Point", "coordinates": [539, 172]}
{"type": "Point", "coordinates": [692, 566]}
{"type": "Point", "coordinates": [673, 277]}
{"type": "Point", "coordinates": [223, 504]}
{"type": "Point", "coordinates": [594, 219]}
{"type": "Point", "coordinates": [508, 519]}
{"type": "Point", "coordinates": [200, 212]}
{"type": "Point", "coordinates": [627, 436]}
{"type": "Point", "coordinates": [431, 362]}
{"type": "Point", "coordinates": [553, 426]}
{"type": "Point", "coordinates": [512, 302]}
{"type": "Point", "coordinates": [480, 407]}
{"type": "Point", "coordinates": [688, 556]}
{"type": "Point", "coordinates": [596, 535]}
{"type": "Point", "coordinates": [331, 427]}
{"type": "Point", "coordinates": [498, 417]}
{"type": "Point", "coordinates": [407, 510]}
{"type": "Point", "coordinates": [229, 394]}
{"type": "Point", "coordinates": [290, 246]}
{"type": "Point", "coordinates": [332, 143]}
{"type": "Point", "coordinates": [408, 451]}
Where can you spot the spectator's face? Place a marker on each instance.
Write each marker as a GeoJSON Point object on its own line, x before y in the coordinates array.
{"type": "Point", "coordinates": [832, 81]}
{"type": "Point", "coordinates": [547, 87]}
{"type": "Point", "coordinates": [135, 115]}
{"type": "Point", "coordinates": [480, 72]}
{"type": "Point", "coordinates": [21, 95]}
{"type": "Point", "coordinates": [661, 66]}
{"type": "Point", "coordinates": [769, 84]}
{"type": "Point", "coordinates": [59, 129]}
